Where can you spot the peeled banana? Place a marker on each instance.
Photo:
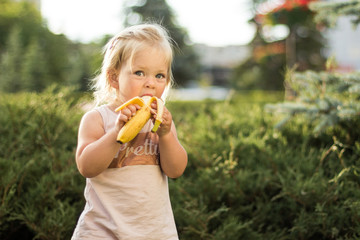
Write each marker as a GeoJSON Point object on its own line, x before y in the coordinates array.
{"type": "Point", "coordinates": [137, 122]}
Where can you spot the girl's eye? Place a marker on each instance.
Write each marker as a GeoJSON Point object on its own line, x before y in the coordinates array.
{"type": "Point", "coordinates": [139, 73]}
{"type": "Point", "coordinates": [160, 76]}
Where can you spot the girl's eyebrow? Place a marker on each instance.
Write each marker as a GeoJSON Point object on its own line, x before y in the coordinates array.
{"type": "Point", "coordinates": [135, 67]}
{"type": "Point", "coordinates": [138, 66]}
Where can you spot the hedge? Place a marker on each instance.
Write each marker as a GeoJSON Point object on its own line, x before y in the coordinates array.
{"type": "Point", "coordinates": [245, 179]}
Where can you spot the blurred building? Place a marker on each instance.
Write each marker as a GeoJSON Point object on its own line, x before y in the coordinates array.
{"type": "Point", "coordinates": [344, 44]}
{"type": "Point", "coordinates": [218, 62]}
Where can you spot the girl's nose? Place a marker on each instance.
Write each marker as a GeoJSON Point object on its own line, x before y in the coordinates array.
{"type": "Point", "coordinates": [150, 82]}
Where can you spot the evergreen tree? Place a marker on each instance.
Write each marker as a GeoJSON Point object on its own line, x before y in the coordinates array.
{"type": "Point", "coordinates": [186, 66]}
{"type": "Point", "coordinates": [11, 63]}
{"type": "Point", "coordinates": [79, 71]}
{"type": "Point", "coordinates": [47, 58]}
{"type": "Point", "coordinates": [22, 14]}
{"type": "Point", "coordinates": [329, 12]}
{"type": "Point", "coordinates": [34, 68]}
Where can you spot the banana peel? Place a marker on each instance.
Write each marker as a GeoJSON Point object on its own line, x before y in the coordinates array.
{"type": "Point", "coordinates": [131, 129]}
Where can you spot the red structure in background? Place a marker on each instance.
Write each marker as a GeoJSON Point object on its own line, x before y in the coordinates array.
{"type": "Point", "coordinates": [288, 13]}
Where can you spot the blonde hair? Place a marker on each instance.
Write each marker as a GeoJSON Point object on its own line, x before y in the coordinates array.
{"type": "Point", "coordinates": [123, 47]}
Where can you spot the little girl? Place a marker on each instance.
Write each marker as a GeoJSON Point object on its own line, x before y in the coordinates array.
{"type": "Point", "coordinates": [126, 191]}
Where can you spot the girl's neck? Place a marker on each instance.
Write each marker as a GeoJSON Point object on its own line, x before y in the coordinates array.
{"type": "Point", "coordinates": [112, 106]}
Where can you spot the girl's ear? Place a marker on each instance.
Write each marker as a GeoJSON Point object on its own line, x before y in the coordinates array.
{"type": "Point", "coordinates": [112, 77]}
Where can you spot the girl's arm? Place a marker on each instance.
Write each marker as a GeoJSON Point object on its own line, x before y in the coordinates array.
{"type": "Point", "coordinates": [95, 150]}
{"type": "Point", "coordinates": [173, 157]}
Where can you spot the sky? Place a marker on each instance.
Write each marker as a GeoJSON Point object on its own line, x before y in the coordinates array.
{"type": "Point", "coordinates": [210, 22]}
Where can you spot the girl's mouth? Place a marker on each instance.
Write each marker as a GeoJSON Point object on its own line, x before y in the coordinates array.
{"type": "Point", "coordinates": [150, 95]}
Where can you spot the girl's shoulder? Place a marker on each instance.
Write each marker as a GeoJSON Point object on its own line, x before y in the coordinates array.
{"type": "Point", "coordinates": [105, 110]}
{"type": "Point", "coordinates": [92, 115]}
{"type": "Point", "coordinates": [102, 116]}
{"type": "Point", "coordinates": [92, 112]}
{"type": "Point", "coordinates": [91, 125]}
{"type": "Point", "coordinates": [97, 112]}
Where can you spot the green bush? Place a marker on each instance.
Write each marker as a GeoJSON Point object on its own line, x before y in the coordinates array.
{"type": "Point", "coordinates": [329, 99]}
{"type": "Point", "coordinates": [245, 179]}
{"type": "Point", "coordinates": [40, 188]}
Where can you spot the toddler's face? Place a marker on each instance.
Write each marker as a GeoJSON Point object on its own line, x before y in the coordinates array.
{"type": "Point", "coordinates": [147, 74]}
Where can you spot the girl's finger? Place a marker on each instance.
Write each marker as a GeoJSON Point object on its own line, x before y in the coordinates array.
{"type": "Point", "coordinates": [132, 109]}
{"type": "Point", "coordinates": [126, 112]}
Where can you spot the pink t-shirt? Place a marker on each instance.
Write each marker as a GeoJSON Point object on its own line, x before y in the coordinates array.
{"type": "Point", "coordinates": [129, 200]}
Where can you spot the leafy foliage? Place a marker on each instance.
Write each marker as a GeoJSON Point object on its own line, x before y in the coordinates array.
{"type": "Point", "coordinates": [21, 14]}
{"type": "Point", "coordinates": [10, 61]}
{"type": "Point", "coordinates": [328, 104]}
{"type": "Point", "coordinates": [329, 12]}
{"type": "Point", "coordinates": [32, 58]}
{"type": "Point", "coordinates": [40, 188]}
{"type": "Point", "coordinates": [328, 99]}
{"type": "Point", "coordinates": [244, 180]}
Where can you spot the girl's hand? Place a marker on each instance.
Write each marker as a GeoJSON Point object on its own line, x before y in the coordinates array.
{"type": "Point", "coordinates": [125, 115]}
{"type": "Point", "coordinates": [165, 126]}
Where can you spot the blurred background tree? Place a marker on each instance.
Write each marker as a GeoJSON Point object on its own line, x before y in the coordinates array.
{"type": "Point", "coordinates": [328, 13]}
{"type": "Point", "coordinates": [329, 98]}
{"type": "Point", "coordinates": [186, 62]}
{"type": "Point", "coordinates": [286, 36]}
{"type": "Point", "coordinates": [33, 58]}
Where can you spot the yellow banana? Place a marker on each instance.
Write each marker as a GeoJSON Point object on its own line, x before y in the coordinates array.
{"type": "Point", "coordinates": [137, 122]}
